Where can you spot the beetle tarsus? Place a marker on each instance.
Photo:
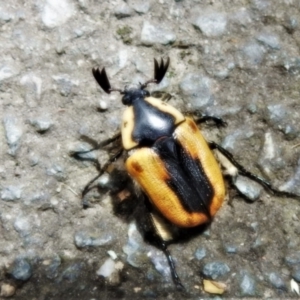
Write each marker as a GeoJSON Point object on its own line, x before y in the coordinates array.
{"type": "Point", "coordinates": [175, 276]}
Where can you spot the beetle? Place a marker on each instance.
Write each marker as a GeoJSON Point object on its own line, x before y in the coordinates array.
{"type": "Point", "coordinates": [169, 159]}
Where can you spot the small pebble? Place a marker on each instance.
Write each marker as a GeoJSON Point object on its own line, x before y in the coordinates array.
{"type": "Point", "coordinates": [140, 6]}
{"type": "Point", "coordinates": [200, 253]}
{"type": "Point", "coordinates": [277, 281]}
{"type": "Point", "coordinates": [247, 285]}
{"type": "Point", "coordinates": [21, 270]}
{"type": "Point", "coordinates": [84, 239]}
{"type": "Point", "coordinates": [197, 89]}
{"type": "Point", "coordinates": [250, 189]}
{"type": "Point", "coordinates": [254, 53]}
{"type": "Point", "coordinates": [41, 125]}
{"type": "Point", "coordinates": [102, 106]}
{"type": "Point", "coordinates": [13, 132]}
{"type": "Point", "coordinates": [7, 290]}
{"type": "Point", "coordinates": [11, 193]}
{"type": "Point", "coordinates": [123, 10]}
{"type": "Point", "coordinates": [107, 268]}
{"type": "Point", "coordinates": [211, 23]}
{"type": "Point", "coordinates": [215, 270]}
{"type": "Point", "coordinates": [152, 34]}
{"type": "Point", "coordinates": [57, 12]}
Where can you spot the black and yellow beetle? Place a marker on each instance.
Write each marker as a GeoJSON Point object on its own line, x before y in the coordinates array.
{"type": "Point", "coordinates": [171, 161]}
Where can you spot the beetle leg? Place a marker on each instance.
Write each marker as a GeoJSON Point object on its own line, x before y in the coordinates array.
{"type": "Point", "coordinates": [163, 96]}
{"type": "Point", "coordinates": [242, 171]}
{"type": "Point", "coordinates": [89, 186]}
{"type": "Point", "coordinates": [175, 276]}
{"type": "Point", "coordinates": [101, 170]}
{"type": "Point", "coordinates": [200, 117]}
{"type": "Point", "coordinates": [157, 232]}
{"type": "Point", "coordinates": [217, 120]}
{"type": "Point", "coordinates": [97, 146]}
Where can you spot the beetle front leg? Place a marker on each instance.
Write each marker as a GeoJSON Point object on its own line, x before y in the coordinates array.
{"type": "Point", "coordinates": [97, 146]}
{"type": "Point", "coordinates": [81, 156]}
{"type": "Point", "coordinates": [237, 168]}
{"type": "Point", "coordinates": [200, 117]}
{"type": "Point", "coordinates": [89, 186]}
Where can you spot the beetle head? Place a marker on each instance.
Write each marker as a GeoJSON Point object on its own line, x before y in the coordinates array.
{"type": "Point", "coordinates": [130, 95]}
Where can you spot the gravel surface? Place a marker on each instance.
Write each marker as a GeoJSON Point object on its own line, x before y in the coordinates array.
{"type": "Point", "coordinates": [239, 60]}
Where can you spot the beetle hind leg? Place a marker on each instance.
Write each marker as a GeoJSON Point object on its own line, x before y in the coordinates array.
{"type": "Point", "coordinates": [156, 231]}
{"type": "Point", "coordinates": [237, 169]}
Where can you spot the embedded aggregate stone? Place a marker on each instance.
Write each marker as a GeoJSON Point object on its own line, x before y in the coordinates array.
{"type": "Point", "coordinates": [254, 53]}
{"type": "Point", "coordinates": [230, 249]}
{"type": "Point", "coordinates": [7, 71]}
{"type": "Point", "coordinates": [52, 267]}
{"type": "Point", "coordinates": [72, 272]}
{"type": "Point", "coordinates": [33, 85]}
{"type": "Point", "coordinates": [247, 284]}
{"type": "Point", "coordinates": [123, 10]}
{"type": "Point", "coordinates": [140, 6]}
{"type": "Point", "coordinates": [200, 253]}
{"type": "Point", "coordinates": [197, 88]}
{"type": "Point", "coordinates": [250, 189]}
{"type": "Point", "coordinates": [160, 263]}
{"type": "Point", "coordinates": [11, 193]}
{"type": "Point", "coordinates": [269, 39]}
{"type": "Point", "coordinates": [41, 125]}
{"type": "Point", "coordinates": [65, 84]}
{"type": "Point", "coordinates": [293, 183]}
{"type": "Point", "coordinates": [23, 225]}
{"type": "Point", "coordinates": [13, 133]}
{"type": "Point", "coordinates": [57, 12]}
{"type": "Point", "coordinates": [211, 23]}
{"type": "Point", "coordinates": [84, 239]}
{"type": "Point", "coordinates": [276, 281]}
{"type": "Point", "coordinates": [215, 270]}
{"type": "Point", "coordinates": [134, 247]}
{"type": "Point", "coordinates": [293, 258]}
{"type": "Point", "coordinates": [57, 172]}
{"type": "Point", "coordinates": [160, 34]}
{"type": "Point", "coordinates": [21, 269]}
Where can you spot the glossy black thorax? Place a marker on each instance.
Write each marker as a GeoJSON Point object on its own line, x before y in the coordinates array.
{"type": "Point", "coordinates": [150, 123]}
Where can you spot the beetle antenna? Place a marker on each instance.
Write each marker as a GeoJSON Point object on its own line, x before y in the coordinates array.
{"type": "Point", "coordinates": [160, 70]}
{"type": "Point", "coordinates": [102, 79]}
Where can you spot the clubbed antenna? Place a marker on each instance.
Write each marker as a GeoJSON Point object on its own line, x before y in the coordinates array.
{"type": "Point", "coordinates": [159, 72]}
{"type": "Point", "coordinates": [160, 69]}
{"type": "Point", "coordinates": [101, 78]}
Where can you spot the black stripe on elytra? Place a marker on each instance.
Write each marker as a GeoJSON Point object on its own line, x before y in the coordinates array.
{"type": "Point", "coordinates": [187, 177]}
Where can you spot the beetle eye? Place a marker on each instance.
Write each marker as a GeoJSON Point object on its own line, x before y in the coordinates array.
{"type": "Point", "coordinates": [126, 100]}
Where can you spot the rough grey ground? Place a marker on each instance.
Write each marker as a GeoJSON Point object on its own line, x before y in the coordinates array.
{"type": "Point", "coordinates": [236, 59]}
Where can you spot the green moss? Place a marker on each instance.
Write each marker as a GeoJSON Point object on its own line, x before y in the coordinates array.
{"type": "Point", "coordinates": [183, 54]}
{"type": "Point", "coordinates": [124, 33]}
